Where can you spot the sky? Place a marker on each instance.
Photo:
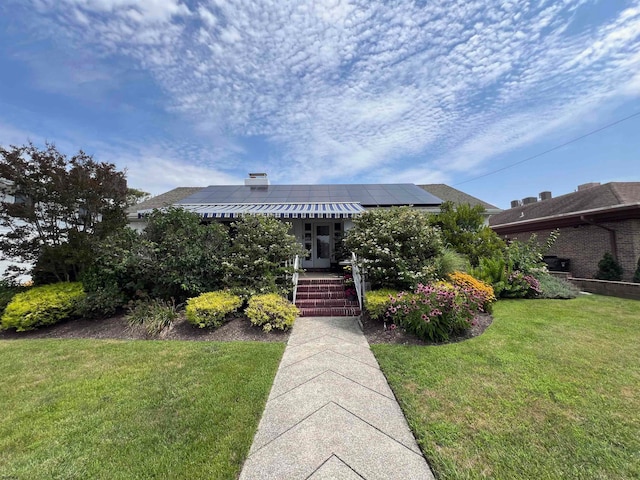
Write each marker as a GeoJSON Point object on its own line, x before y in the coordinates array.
{"type": "Point", "coordinates": [196, 93]}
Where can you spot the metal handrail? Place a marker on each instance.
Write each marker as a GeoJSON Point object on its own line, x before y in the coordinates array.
{"type": "Point", "coordinates": [294, 278]}
{"type": "Point", "coordinates": [358, 279]}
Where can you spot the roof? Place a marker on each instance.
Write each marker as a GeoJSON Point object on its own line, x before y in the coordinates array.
{"type": "Point", "coordinates": [449, 194]}
{"type": "Point", "coordinates": [164, 199]}
{"type": "Point", "coordinates": [598, 200]}
{"type": "Point", "coordinates": [368, 195]}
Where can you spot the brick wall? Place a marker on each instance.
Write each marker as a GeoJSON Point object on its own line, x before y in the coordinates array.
{"type": "Point", "coordinates": [586, 244]}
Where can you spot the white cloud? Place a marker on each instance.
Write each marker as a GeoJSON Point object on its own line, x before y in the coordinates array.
{"type": "Point", "coordinates": [348, 88]}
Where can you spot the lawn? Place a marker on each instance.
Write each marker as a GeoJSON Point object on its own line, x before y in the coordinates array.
{"type": "Point", "coordinates": [104, 409]}
{"type": "Point", "coordinates": [551, 390]}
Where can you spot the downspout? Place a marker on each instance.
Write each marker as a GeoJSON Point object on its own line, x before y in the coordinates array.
{"type": "Point", "coordinates": [612, 235]}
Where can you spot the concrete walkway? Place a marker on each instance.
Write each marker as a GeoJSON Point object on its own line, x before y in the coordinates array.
{"type": "Point", "coordinates": [331, 413]}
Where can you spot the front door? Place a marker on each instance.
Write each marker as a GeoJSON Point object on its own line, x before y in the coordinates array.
{"type": "Point", "coordinates": [317, 241]}
{"type": "Point", "coordinates": [322, 250]}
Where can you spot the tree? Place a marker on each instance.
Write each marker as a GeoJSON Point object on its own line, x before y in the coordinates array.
{"type": "Point", "coordinates": [59, 206]}
{"type": "Point", "coordinates": [398, 246]}
{"type": "Point", "coordinates": [463, 229]}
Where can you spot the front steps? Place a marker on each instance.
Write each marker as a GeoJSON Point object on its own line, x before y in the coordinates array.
{"type": "Point", "coordinates": [324, 297]}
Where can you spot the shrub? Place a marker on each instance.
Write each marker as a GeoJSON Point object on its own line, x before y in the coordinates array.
{"type": "Point", "coordinates": [8, 289]}
{"type": "Point", "coordinates": [377, 302]}
{"type": "Point", "coordinates": [434, 312]}
{"type": "Point", "coordinates": [636, 275]}
{"type": "Point", "coordinates": [520, 285]}
{"type": "Point", "coordinates": [271, 311]}
{"type": "Point", "coordinates": [609, 268]}
{"type": "Point", "coordinates": [43, 305]}
{"type": "Point", "coordinates": [554, 287]}
{"type": "Point", "coordinates": [478, 287]}
{"type": "Point", "coordinates": [102, 302]}
{"type": "Point", "coordinates": [398, 247]}
{"type": "Point", "coordinates": [154, 315]}
{"type": "Point", "coordinates": [494, 272]}
{"type": "Point", "coordinates": [451, 261]}
{"type": "Point", "coordinates": [212, 309]}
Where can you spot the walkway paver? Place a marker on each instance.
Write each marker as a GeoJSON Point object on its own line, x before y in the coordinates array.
{"type": "Point", "coordinates": [331, 413]}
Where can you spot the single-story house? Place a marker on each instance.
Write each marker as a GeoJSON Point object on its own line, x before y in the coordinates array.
{"type": "Point", "coordinates": [319, 214]}
{"type": "Point", "coordinates": [592, 220]}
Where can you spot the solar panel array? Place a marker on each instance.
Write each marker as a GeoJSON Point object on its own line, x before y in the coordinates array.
{"type": "Point", "coordinates": [368, 195]}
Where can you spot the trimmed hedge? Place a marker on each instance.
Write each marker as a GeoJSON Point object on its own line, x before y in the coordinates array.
{"type": "Point", "coordinates": [271, 311]}
{"type": "Point", "coordinates": [377, 302]}
{"type": "Point", "coordinates": [212, 309]}
{"type": "Point", "coordinates": [43, 305]}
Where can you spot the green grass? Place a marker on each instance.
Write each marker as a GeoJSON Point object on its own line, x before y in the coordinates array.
{"type": "Point", "coordinates": [79, 409]}
{"type": "Point", "coordinates": [550, 391]}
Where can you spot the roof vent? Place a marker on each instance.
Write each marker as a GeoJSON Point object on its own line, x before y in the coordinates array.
{"type": "Point", "coordinates": [545, 196]}
{"type": "Point", "coordinates": [585, 186]}
{"type": "Point", "coordinates": [257, 180]}
{"type": "Point", "coordinates": [528, 200]}
{"type": "Point", "coordinates": [515, 203]}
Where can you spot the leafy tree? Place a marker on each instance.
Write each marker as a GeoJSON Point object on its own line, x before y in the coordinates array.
{"type": "Point", "coordinates": [259, 249]}
{"type": "Point", "coordinates": [398, 247]}
{"type": "Point", "coordinates": [463, 229]}
{"type": "Point", "coordinates": [609, 268]}
{"type": "Point", "coordinates": [60, 205]}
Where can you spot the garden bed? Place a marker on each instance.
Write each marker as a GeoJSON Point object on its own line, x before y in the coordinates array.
{"type": "Point", "coordinates": [375, 332]}
{"type": "Point", "coordinates": [237, 329]}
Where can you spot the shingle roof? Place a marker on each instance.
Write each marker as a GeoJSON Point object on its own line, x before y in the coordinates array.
{"type": "Point", "coordinates": [449, 194]}
{"type": "Point", "coordinates": [164, 199]}
{"type": "Point", "coordinates": [599, 197]}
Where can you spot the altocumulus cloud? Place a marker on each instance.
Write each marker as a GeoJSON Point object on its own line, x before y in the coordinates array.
{"type": "Point", "coordinates": [346, 86]}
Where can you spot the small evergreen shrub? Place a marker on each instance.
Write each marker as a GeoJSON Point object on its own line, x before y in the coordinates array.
{"type": "Point", "coordinates": [212, 309]}
{"type": "Point", "coordinates": [377, 302]}
{"type": "Point", "coordinates": [155, 315]}
{"type": "Point", "coordinates": [554, 287]}
{"type": "Point", "coordinates": [609, 268]}
{"type": "Point", "coordinates": [435, 312]}
{"type": "Point", "coordinates": [43, 305]}
{"type": "Point", "coordinates": [271, 311]}
{"type": "Point", "coordinates": [479, 288]}
{"type": "Point", "coordinates": [8, 290]}
{"type": "Point", "coordinates": [102, 302]}
{"type": "Point", "coordinates": [636, 276]}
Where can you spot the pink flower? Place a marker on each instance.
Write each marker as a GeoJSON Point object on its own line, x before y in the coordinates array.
{"type": "Point", "coordinates": [392, 326]}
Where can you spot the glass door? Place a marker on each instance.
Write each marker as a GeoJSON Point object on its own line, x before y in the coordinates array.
{"type": "Point", "coordinates": [322, 254]}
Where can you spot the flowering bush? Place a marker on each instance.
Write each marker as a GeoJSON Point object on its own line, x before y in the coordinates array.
{"type": "Point", "coordinates": [211, 309]}
{"type": "Point", "coordinates": [271, 311]}
{"type": "Point", "coordinates": [480, 288]}
{"type": "Point", "coordinates": [521, 286]}
{"type": "Point", "coordinates": [434, 312]}
{"type": "Point", "coordinates": [377, 302]}
{"type": "Point", "coordinates": [398, 246]}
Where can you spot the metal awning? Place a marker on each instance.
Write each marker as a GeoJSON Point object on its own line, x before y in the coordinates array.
{"type": "Point", "coordinates": [278, 210]}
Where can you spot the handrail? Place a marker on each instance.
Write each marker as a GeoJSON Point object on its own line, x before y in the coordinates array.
{"type": "Point", "coordinates": [358, 279]}
{"type": "Point", "coordinates": [294, 278]}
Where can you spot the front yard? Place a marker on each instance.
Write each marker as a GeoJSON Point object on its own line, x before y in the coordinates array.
{"type": "Point", "coordinates": [550, 390]}
{"type": "Point", "coordinates": [106, 409]}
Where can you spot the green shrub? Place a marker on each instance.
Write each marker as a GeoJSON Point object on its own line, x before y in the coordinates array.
{"type": "Point", "coordinates": [609, 268]}
{"type": "Point", "coordinates": [154, 315]}
{"type": "Point", "coordinates": [212, 309]}
{"type": "Point", "coordinates": [435, 312]}
{"type": "Point", "coordinates": [8, 290]}
{"type": "Point", "coordinates": [377, 302]}
{"type": "Point", "coordinates": [43, 305]}
{"type": "Point", "coordinates": [271, 311]}
{"type": "Point", "coordinates": [554, 287]}
{"type": "Point", "coordinates": [102, 302]}
{"type": "Point", "coordinates": [636, 276]}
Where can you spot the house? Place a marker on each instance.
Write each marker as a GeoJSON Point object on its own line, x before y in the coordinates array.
{"type": "Point", "coordinates": [319, 214]}
{"type": "Point", "coordinates": [449, 194]}
{"type": "Point", "coordinates": [592, 220]}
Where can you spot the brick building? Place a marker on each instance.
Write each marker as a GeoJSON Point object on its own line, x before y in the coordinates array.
{"type": "Point", "coordinates": [593, 220]}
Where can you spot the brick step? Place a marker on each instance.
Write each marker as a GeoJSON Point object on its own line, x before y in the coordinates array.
{"type": "Point", "coordinates": [320, 288]}
{"type": "Point", "coordinates": [325, 302]}
{"type": "Point", "coordinates": [317, 295]}
{"type": "Point", "coordinates": [320, 281]}
{"type": "Point", "coordinates": [330, 312]}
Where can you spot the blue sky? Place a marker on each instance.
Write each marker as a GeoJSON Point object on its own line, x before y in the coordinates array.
{"type": "Point", "coordinates": [188, 93]}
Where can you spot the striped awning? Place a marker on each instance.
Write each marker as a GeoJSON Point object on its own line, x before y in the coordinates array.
{"type": "Point", "coordinates": [278, 210]}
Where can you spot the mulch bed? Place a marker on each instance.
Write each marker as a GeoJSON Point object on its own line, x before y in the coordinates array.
{"type": "Point", "coordinates": [237, 329]}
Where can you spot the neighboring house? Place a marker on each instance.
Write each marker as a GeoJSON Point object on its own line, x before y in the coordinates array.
{"type": "Point", "coordinates": [319, 214]}
{"type": "Point", "coordinates": [593, 220]}
{"type": "Point", "coordinates": [450, 194]}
